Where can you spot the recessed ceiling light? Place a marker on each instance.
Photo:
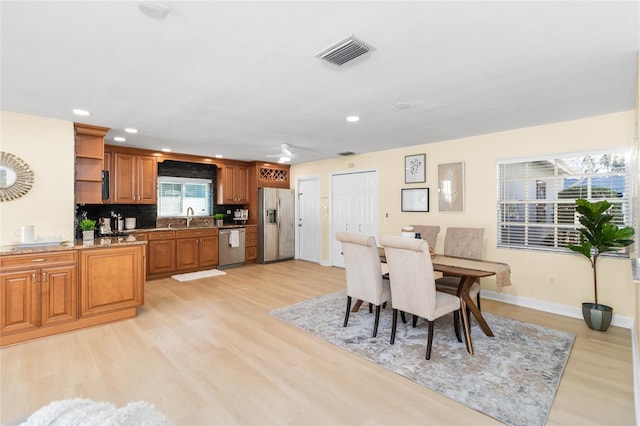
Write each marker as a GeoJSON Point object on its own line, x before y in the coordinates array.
{"type": "Point", "coordinates": [284, 159]}
{"type": "Point", "coordinates": [119, 139]}
{"type": "Point", "coordinates": [82, 112]}
{"type": "Point", "coordinates": [218, 155]}
{"type": "Point", "coordinates": [353, 118]}
{"type": "Point", "coordinates": [166, 149]}
{"type": "Point", "coordinates": [154, 8]}
{"type": "Point", "coordinates": [403, 105]}
{"type": "Point", "coordinates": [131, 130]}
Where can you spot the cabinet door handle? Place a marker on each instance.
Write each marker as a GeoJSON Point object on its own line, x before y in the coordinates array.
{"type": "Point", "coordinates": [33, 277]}
{"type": "Point", "coordinates": [44, 277]}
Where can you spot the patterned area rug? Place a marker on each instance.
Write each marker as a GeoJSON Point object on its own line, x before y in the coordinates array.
{"type": "Point", "coordinates": [513, 377]}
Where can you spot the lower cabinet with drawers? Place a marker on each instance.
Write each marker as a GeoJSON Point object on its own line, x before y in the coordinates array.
{"type": "Point", "coordinates": [251, 243]}
{"type": "Point", "coordinates": [51, 292]}
{"type": "Point", "coordinates": [181, 250]}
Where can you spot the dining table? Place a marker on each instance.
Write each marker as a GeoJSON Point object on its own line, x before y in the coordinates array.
{"type": "Point", "coordinates": [469, 270]}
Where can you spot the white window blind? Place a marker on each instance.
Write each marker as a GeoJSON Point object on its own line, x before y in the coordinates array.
{"type": "Point", "coordinates": [176, 195]}
{"type": "Point", "coordinates": [536, 197]}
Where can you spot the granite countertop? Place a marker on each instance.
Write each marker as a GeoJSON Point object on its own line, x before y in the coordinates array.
{"type": "Point", "coordinates": [47, 247]}
{"type": "Point", "coordinates": [100, 242]}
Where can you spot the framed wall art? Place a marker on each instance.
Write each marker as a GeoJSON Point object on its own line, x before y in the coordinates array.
{"type": "Point", "coordinates": [451, 187]}
{"type": "Point", "coordinates": [415, 168]}
{"type": "Point", "coordinates": [415, 200]}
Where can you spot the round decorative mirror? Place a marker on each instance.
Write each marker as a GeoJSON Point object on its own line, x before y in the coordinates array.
{"type": "Point", "coordinates": [16, 178]}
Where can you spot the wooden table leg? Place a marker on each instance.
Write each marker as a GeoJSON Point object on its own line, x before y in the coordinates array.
{"type": "Point", "coordinates": [478, 316]}
{"type": "Point", "coordinates": [356, 306]}
{"type": "Point", "coordinates": [466, 327]}
{"type": "Point", "coordinates": [463, 293]}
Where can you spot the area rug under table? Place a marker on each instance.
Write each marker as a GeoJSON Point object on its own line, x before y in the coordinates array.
{"type": "Point", "coordinates": [513, 377]}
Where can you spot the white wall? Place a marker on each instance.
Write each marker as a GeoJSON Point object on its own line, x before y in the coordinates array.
{"type": "Point", "coordinates": [47, 146]}
{"type": "Point", "coordinates": [564, 279]}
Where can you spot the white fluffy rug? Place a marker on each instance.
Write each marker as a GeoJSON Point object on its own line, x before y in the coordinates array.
{"type": "Point", "coordinates": [85, 412]}
{"type": "Point", "coordinates": [197, 275]}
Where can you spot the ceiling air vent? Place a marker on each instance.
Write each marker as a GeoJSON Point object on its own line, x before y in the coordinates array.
{"type": "Point", "coordinates": [344, 51]}
{"type": "Point", "coordinates": [346, 153]}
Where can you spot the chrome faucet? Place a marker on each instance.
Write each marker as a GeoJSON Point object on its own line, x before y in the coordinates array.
{"type": "Point", "coordinates": [189, 217]}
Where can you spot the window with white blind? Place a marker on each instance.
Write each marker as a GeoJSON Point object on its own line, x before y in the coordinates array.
{"type": "Point", "coordinates": [536, 197]}
{"type": "Point", "coordinates": [176, 195]}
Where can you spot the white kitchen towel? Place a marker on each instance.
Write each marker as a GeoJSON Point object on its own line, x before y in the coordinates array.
{"type": "Point", "coordinates": [234, 239]}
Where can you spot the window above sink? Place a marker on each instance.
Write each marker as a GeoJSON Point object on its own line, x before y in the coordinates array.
{"type": "Point", "coordinates": [177, 194]}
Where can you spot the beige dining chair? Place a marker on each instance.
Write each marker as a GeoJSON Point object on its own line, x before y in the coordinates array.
{"type": "Point", "coordinates": [364, 273]}
{"type": "Point", "coordinates": [462, 242]}
{"type": "Point", "coordinates": [413, 288]}
{"type": "Point", "coordinates": [429, 233]}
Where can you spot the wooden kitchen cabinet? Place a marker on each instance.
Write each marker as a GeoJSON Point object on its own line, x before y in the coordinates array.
{"type": "Point", "coordinates": [134, 179]}
{"type": "Point", "coordinates": [251, 243]}
{"type": "Point", "coordinates": [37, 291]}
{"type": "Point", "coordinates": [233, 184]}
{"type": "Point", "coordinates": [196, 248]}
{"type": "Point", "coordinates": [89, 149]}
{"type": "Point", "coordinates": [111, 279]}
{"type": "Point", "coordinates": [162, 252]}
{"type": "Point", "coordinates": [107, 166]}
{"type": "Point", "coordinates": [143, 236]}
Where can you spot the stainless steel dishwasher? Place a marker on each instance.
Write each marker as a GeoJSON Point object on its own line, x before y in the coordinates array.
{"type": "Point", "coordinates": [230, 247]}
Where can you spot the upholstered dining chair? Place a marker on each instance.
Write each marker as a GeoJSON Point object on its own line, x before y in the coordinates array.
{"type": "Point", "coordinates": [461, 242]}
{"type": "Point", "coordinates": [429, 233]}
{"type": "Point", "coordinates": [364, 273]}
{"type": "Point", "coordinates": [413, 287]}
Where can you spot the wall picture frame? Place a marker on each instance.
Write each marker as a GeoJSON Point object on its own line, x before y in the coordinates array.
{"type": "Point", "coordinates": [415, 168]}
{"type": "Point", "coordinates": [451, 187]}
{"type": "Point", "coordinates": [415, 199]}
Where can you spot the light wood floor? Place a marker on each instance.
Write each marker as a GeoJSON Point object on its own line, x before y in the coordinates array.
{"type": "Point", "coordinates": [206, 353]}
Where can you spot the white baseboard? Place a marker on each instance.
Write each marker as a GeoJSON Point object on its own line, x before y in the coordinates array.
{"type": "Point", "coordinates": [554, 308]}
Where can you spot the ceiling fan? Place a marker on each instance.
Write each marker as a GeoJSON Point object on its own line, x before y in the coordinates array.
{"type": "Point", "coordinates": [284, 155]}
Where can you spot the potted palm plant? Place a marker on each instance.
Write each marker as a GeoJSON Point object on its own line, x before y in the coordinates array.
{"type": "Point", "coordinates": [598, 235]}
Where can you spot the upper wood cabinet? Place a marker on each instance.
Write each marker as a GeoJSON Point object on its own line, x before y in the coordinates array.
{"type": "Point", "coordinates": [134, 179]}
{"type": "Point", "coordinates": [233, 184]}
{"type": "Point", "coordinates": [269, 175]}
{"type": "Point", "coordinates": [89, 163]}
{"type": "Point", "coordinates": [107, 165]}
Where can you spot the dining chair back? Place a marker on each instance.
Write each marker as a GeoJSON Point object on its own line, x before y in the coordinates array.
{"type": "Point", "coordinates": [364, 273]}
{"type": "Point", "coordinates": [413, 288]}
{"type": "Point", "coordinates": [429, 233]}
{"type": "Point", "coordinates": [462, 242]}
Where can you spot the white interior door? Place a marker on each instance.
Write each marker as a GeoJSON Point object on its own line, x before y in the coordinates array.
{"type": "Point", "coordinates": [354, 207]}
{"type": "Point", "coordinates": [309, 220]}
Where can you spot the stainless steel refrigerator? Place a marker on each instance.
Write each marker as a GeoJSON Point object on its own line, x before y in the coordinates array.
{"type": "Point", "coordinates": [275, 224]}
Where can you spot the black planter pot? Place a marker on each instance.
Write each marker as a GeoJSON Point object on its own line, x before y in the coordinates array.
{"type": "Point", "coordinates": [598, 317]}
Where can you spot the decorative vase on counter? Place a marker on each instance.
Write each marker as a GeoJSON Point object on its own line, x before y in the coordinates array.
{"type": "Point", "coordinates": [88, 235]}
{"type": "Point", "coordinates": [219, 222]}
